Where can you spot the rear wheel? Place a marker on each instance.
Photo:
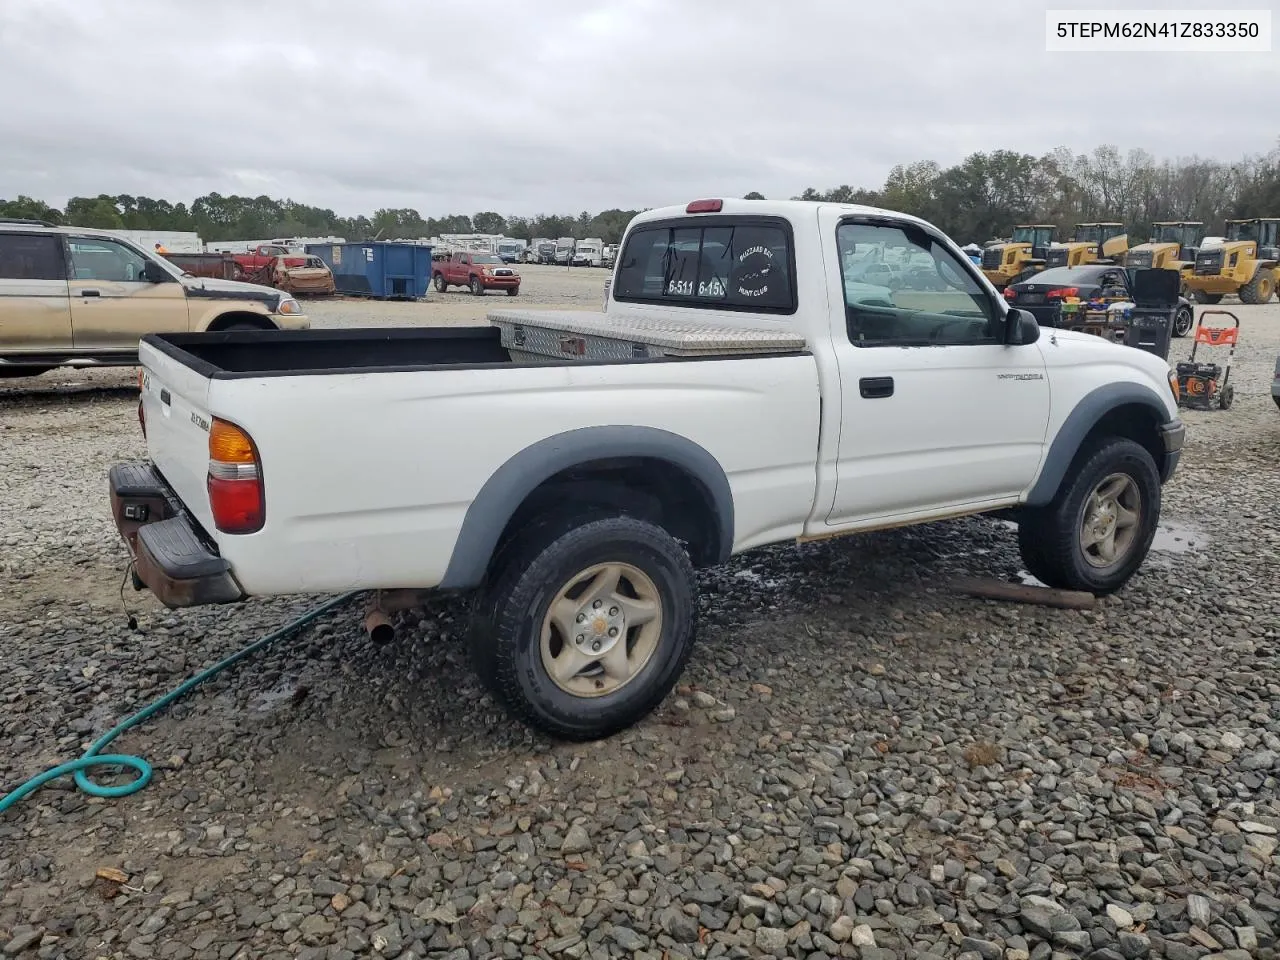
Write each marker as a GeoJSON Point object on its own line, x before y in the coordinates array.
{"type": "Point", "coordinates": [441, 286]}
{"type": "Point", "coordinates": [1202, 297]}
{"type": "Point", "coordinates": [584, 631]}
{"type": "Point", "coordinates": [1260, 288]}
{"type": "Point", "coordinates": [477, 288]}
{"type": "Point", "coordinates": [512, 291]}
{"type": "Point", "coordinates": [1226, 397]}
{"type": "Point", "coordinates": [1098, 529]}
{"type": "Point", "coordinates": [1182, 321]}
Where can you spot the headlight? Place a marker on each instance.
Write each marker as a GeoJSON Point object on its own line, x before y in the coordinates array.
{"type": "Point", "coordinates": [289, 306]}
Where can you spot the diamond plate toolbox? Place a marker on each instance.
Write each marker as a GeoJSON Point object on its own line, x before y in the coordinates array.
{"type": "Point", "coordinates": [559, 335]}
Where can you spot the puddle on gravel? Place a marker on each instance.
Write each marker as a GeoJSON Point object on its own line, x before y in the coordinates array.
{"type": "Point", "coordinates": [1179, 538]}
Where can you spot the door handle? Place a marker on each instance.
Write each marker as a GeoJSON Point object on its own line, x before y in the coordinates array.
{"type": "Point", "coordinates": [90, 293]}
{"type": "Point", "coordinates": [873, 388]}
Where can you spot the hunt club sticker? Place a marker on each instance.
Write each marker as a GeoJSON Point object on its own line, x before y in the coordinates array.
{"type": "Point", "coordinates": [755, 267]}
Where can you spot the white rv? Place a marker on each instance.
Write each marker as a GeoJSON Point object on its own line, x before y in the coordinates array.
{"type": "Point", "coordinates": [589, 252]}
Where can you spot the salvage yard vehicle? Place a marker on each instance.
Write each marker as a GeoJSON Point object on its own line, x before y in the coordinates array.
{"type": "Point", "coordinates": [1091, 243]}
{"type": "Point", "coordinates": [478, 272]}
{"type": "Point", "coordinates": [1042, 294]}
{"type": "Point", "coordinates": [1246, 263]}
{"type": "Point", "coordinates": [79, 298]}
{"type": "Point", "coordinates": [277, 266]}
{"type": "Point", "coordinates": [571, 469]}
{"type": "Point", "coordinates": [1003, 263]}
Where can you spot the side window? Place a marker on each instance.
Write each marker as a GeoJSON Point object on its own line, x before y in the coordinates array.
{"type": "Point", "coordinates": [722, 264]}
{"type": "Point", "coordinates": [27, 257]}
{"type": "Point", "coordinates": [93, 259]}
{"type": "Point", "coordinates": [901, 288]}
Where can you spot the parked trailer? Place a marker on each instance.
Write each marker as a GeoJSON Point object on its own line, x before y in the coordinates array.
{"type": "Point", "coordinates": [219, 266]}
{"type": "Point", "coordinates": [564, 249]}
{"type": "Point", "coordinates": [173, 241]}
{"type": "Point", "coordinates": [383, 269]}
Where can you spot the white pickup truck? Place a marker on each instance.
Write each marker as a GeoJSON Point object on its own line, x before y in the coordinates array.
{"type": "Point", "coordinates": [572, 469]}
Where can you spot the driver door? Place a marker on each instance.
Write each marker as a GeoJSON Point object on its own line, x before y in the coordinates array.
{"type": "Point", "coordinates": [937, 415]}
{"type": "Point", "coordinates": [112, 305]}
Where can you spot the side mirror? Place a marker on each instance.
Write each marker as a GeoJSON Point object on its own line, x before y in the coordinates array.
{"type": "Point", "coordinates": [1021, 328]}
{"type": "Point", "coordinates": [154, 273]}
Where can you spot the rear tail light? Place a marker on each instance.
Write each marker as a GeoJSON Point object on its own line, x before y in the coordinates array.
{"type": "Point", "coordinates": [1062, 293]}
{"type": "Point", "coordinates": [142, 413]}
{"type": "Point", "coordinates": [1010, 294]}
{"type": "Point", "coordinates": [235, 480]}
{"type": "Point", "coordinates": [705, 206]}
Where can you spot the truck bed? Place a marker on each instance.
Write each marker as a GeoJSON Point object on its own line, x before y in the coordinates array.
{"type": "Point", "coordinates": [558, 337]}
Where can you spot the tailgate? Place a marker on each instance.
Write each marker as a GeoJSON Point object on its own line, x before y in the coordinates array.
{"type": "Point", "coordinates": [175, 405]}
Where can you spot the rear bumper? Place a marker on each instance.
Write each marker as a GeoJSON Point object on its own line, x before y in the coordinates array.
{"type": "Point", "coordinates": [171, 555]}
{"type": "Point", "coordinates": [1173, 434]}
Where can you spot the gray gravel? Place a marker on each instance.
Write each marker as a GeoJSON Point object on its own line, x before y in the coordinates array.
{"type": "Point", "coordinates": [862, 764]}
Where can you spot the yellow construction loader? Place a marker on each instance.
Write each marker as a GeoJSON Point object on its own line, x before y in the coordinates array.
{"type": "Point", "coordinates": [1092, 243]}
{"type": "Point", "coordinates": [1172, 246]}
{"type": "Point", "coordinates": [1246, 263]}
{"type": "Point", "coordinates": [1003, 263]}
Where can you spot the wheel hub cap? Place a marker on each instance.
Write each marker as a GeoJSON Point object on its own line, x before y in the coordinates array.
{"type": "Point", "coordinates": [1111, 521]}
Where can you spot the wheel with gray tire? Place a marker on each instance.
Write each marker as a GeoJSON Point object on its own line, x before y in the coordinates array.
{"type": "Point", "coordinates": [1183, 320]}
{"type": "Point", "coordinates": [477, 288]}
{"type": "Point", "coordinates": [1226, 397]}
{"type": "Point", "coordinates": [1098, 529]}
{"type": "Point", "coordinates": [441, 286]}
{"type": "Point", "coordinates": [584, 629]}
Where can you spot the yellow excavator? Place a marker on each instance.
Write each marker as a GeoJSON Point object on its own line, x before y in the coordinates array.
{"type": "Point", "coordinates": [1246, 263]}
{"type": "Point", "coordinates": [1092, 243]}
{"type": "Point", "coordinates": [1172, 246]}
{"type": "Point", "coordinates": [1003, 263]}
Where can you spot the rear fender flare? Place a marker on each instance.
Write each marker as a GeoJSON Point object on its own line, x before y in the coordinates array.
{"type": "Point", "coordinates": [503, 493]}
{"type": "Point", "coordinates": [1093, 406]}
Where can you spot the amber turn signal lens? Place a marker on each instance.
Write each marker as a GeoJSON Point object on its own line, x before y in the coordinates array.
{"type": "Point", "coordinates": [229, 444]}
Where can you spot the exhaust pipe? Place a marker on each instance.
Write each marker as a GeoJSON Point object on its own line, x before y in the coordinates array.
{"type": "Point", "coordinates": [377, 621]}
{"type": "Point", "coordinates": [378, 626]}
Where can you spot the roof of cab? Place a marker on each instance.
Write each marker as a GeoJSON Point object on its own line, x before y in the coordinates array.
{"type": "Point", "coordinates": [793, 210]}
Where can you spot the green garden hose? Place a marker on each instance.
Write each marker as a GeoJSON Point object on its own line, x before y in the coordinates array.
{"type": "Point", "coordinates": [92, 758]}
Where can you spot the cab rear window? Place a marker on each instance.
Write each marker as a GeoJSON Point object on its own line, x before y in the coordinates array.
{"type": "Point", "coordinates": [723, 263]}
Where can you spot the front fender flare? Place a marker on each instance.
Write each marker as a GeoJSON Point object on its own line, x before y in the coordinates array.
{"type": "Point", "coordinates": [504, 492]}
{"type": "Point", "coordinates": [1093, 406]}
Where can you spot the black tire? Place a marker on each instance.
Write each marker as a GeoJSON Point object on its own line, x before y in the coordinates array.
{"type": "Point", "coordinates": [1227, 397]}
{"type": "Point", "coordinates": [1210, 298]}
{"type": "Point", "coordinates": [506, 633]}
{"type": "Point", "coordinates": [1261, 288]}
{"type": "Point", "coordinates": [441, 286]}
{"type": "Point", "coordinates": [1049, 537]}
{"type": "Point", "coordinates": [15, 372]}
{"type": "Point", "coordinates": [477, 288]}
{"type": "Point", "coordinates": [513, 291]}
{"type": "Point", "coordinates": [1183, 320]}
{"type": "Point", "coordinates": [239, 327]}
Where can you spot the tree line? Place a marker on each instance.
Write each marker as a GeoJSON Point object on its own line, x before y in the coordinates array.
{"type": "Point", "coordinates": [977, 199]}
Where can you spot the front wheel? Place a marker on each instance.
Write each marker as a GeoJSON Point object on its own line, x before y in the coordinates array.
{"type": "Point", "coordinates": [1098, 529]}
{"type": "Point", "coordinates": [1182, 321]}
{"type": "Point", "coordinates": [1209, 298]}
{"type": "Point", "coordinates": [585, 632]}
{"type": "Point", "coordinates": [477, 288]}
{"type": "Point", "coordinates": [441, 286]}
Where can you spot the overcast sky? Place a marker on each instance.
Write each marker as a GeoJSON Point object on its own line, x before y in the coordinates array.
{"type": "Point", "coordinates": [549, 106]}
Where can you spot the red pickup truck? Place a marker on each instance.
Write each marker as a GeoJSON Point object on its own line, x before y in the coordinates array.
{"type": "Point", "coordinates": [479, 272]}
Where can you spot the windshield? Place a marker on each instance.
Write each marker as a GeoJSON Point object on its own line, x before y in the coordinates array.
{"type": "Point", "coordinates": [1246, 230]}
{"type": "Point", "coordinates": [1089, 234]}
{"type": "Point", "coordinates": [1036, 236]}
{"type": "Point", "coordinates": [1067, 276]}
{"type": "Point", "coordinates": [485, 258]}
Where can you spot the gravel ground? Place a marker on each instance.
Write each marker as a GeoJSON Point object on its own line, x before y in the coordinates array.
{"type": "Point", "coordinates": [862, 764]}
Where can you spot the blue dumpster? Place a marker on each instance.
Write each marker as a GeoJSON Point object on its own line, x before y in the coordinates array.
{"type": "Point", "coordinates": [384, 269]}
